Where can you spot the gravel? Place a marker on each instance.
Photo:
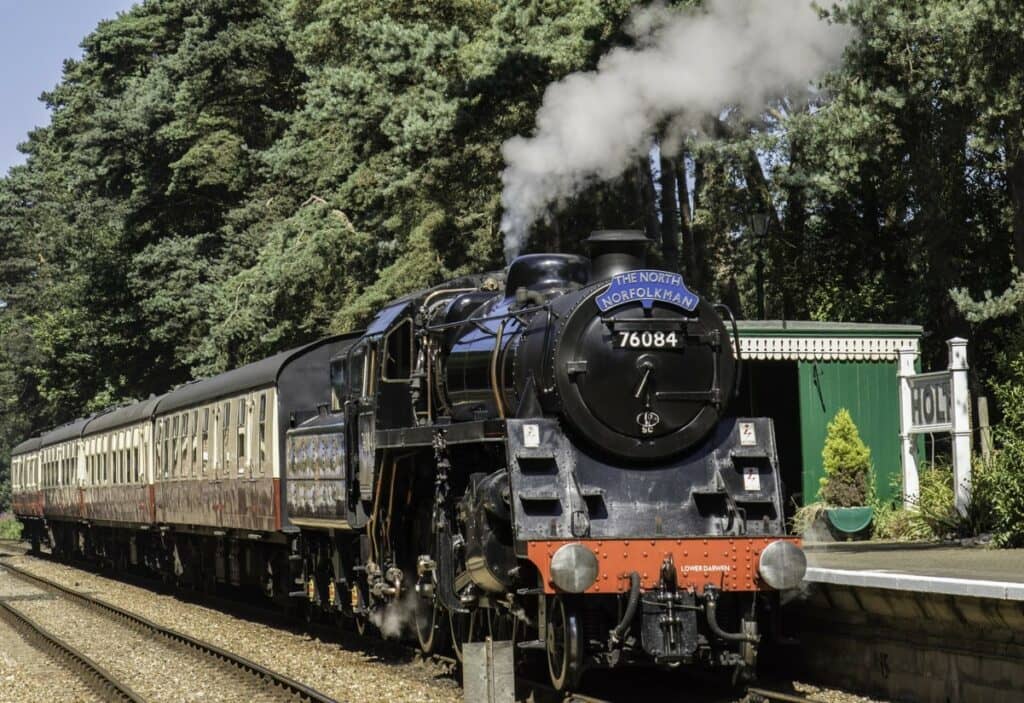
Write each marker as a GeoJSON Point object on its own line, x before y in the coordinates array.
{"type": "Point", "coordinates": [346, 675]}
{"type": "Point", "coordinates": [830, 695]}
{"type": "Point", "coordinates": [27, 674]}
{"type": "Point", "coordinates": [157, 670]}
{"type": "Point", "coordinates": [340, 673]}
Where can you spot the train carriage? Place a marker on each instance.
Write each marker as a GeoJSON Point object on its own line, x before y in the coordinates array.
{"type": "Point", "coordinates": [59, 455]}
{"type": "Point", "coordinates": [544, 453]}
{"type": "Point", "coordinates": [203, 461]}
{"type": "Point", "coordinates": [26, 488]}
{"type": "Point", "coordinates": [116, 465]}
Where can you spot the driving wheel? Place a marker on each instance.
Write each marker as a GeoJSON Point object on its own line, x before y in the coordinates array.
{"type": "Point", "coordinates": [564, 648]}
{"type": "Point", "coordinates": [430, 632]}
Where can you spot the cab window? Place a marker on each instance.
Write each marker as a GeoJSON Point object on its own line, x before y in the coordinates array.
{"type": "Point", "coordinates": [397, 364]}
{"type": "Point", "coordinates": [356, 372]}
{"type": "Point", "coordinates": [337, 384]}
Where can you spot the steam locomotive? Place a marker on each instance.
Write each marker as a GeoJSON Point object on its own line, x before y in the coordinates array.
{"type": "Point", "coordinates": [541, 454]}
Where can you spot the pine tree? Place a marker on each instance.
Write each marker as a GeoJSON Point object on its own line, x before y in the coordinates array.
{"type": "Point", "coordinates": [847, 462]}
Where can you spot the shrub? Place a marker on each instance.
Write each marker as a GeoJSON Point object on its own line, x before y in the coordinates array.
{"type": "Point", "coordinates": [10, 528]}
{"type": "Point", "coordinates": [847, 463]}
{"type": "Point", "coordinates": [1004, 488]}
{"type": "Point", "coordinates": [805, 519]}
{"type": "Point", "coordinates": [935, 506]}
{"type": "Point", "coordinates": [894, 522]}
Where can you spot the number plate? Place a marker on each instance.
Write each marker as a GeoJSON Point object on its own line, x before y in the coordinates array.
{"type": "Point", "coordinates": [648, 339]}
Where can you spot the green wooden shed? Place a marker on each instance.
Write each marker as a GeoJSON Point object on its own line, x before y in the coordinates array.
{"type": "Point", "coordinates": [801, 373]}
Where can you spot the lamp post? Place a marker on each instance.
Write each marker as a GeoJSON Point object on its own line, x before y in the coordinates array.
{"type": "Point", "coordinates": [759, 226]}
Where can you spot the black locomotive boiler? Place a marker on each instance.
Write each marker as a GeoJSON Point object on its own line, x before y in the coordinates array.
{"type": "Point", "coordinates": [544, 454]}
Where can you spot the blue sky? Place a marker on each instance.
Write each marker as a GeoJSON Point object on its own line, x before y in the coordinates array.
{"type": "Point", "coordinates": [35, 38]}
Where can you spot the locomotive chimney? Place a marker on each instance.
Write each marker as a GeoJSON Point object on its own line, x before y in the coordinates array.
{"type": "Point", "coordinates": [613, 251]}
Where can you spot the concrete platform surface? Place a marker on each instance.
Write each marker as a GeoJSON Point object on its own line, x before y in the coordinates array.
{"type": "Point", "coordinates": [962, 571]}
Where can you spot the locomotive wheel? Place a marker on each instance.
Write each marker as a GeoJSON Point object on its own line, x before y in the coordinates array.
{"type": "Point", "coordinates": [459, 629]}
{"type": "Point", "coordinates": [430, 630]}
{"type": "Point", "coordinates": [564, 646]}
{"type": "Point", "coordinates": [362, 622]}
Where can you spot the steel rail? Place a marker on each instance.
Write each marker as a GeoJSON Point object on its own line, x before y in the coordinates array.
{"type": "Point", "coordinates": [270, 679]}
{"type": "Point", "coordinates": [769, 696]}
{"type": "Point", "coordinates": [94, 675]}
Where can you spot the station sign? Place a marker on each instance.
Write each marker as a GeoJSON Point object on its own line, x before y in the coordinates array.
{"type": "Point", "coordinates": [931, 405]}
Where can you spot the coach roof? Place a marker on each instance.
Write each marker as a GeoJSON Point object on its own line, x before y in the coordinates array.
{"type": "Point", "coordinates": [259, 374]}
{"type": "Point", "coordinates": [27, 447]}
{"type": "Point", "coordinates": [65, 433]}
{"type": "Point", "coordinates": [122, 417]}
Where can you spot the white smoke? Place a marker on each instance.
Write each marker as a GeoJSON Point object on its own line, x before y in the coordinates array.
{"type": "Point", "coordinates": [736, 54]}
{"type": "Point", "coordinates": [396, 619]}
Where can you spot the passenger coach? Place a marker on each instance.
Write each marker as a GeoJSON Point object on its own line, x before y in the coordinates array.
{"type": "Point", "coordinates": [189, 483]}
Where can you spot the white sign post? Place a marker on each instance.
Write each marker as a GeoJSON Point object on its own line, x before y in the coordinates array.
{"type": "Point", "coordinates": [936, 402]}
{"type": "Point", "coordinates": [908, 453]}
{"type": "Point", "coordinates": [961, 402]}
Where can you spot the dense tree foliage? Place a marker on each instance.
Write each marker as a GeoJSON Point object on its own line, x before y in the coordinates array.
{"type": "Point", "coordinates": [224, 179]}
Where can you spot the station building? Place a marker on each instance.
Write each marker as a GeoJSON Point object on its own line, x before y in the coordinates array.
{"type": "Point", "coordinates": [801, 373]}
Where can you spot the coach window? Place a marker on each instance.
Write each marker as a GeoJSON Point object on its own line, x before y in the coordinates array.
{"type": "Point", "coordinates": [225, 436]}
{"type": "Point", "coordinates": [183, 447]}
{"type": "Point", "coordinates": [194, 440]}
{"type": "Point", "coordinates": [240, 440]}
{"type": "Point", "coordinates": [262, 432]}
{"type": "Point", "coordinates": [157, 448]}
{"type": "Point", "coordinates": [205, 443]}
{"type": "Point", "coordinates": [175, 458]}
{"type": "Point", "coordinates": [167, 448]}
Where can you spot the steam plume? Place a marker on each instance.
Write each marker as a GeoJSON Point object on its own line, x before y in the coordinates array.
{"type": "Point", "coordinates": [685, 66]}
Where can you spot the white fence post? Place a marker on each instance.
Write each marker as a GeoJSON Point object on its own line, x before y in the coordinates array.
{"type": "Point", "coordinates": [908, 452]}
{"type": "Point", "coordinates": [961, 420]}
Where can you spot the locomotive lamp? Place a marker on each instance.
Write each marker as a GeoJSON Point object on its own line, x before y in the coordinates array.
{"type": "Point", "coordinates": [574, 568]}
{"type": "Point", "coordinates": [782, 565]}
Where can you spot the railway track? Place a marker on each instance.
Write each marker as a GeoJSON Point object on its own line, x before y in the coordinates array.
{"type": "Point", "coordinates": [264, 683]}
{"type": "Point", "coordinates": [16, 545]}
{"type": "Point", "coordinates": [102, 682]}
{"type": "Point", "coordinates": [530, 691]}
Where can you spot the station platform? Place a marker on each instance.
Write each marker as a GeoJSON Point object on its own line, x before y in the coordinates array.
{"type": "Point", "coordinates": [933, 623]}
{"type": "Point", "coordinates": [926, 568]}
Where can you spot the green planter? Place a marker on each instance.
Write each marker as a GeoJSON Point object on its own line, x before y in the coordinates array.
{"type": "Point", "coordinates": [850, 522]}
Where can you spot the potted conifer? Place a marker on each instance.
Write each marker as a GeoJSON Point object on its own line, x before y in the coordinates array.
{"type": "Point", "coordinates": [846, 485]}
